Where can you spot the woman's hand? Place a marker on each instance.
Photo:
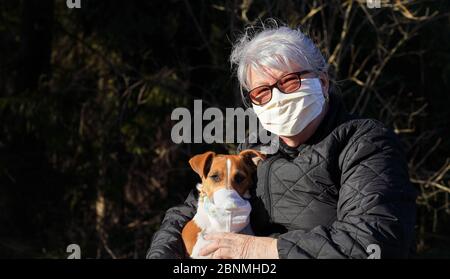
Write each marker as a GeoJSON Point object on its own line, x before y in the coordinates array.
{"type": "Point", "coordinates": [239, 246]}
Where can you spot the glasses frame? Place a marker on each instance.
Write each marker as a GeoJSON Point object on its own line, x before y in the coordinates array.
{"type": "Point", "coordinates": [276, 84]}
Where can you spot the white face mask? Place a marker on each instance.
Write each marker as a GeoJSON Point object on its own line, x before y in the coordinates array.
{"type": "Point", "coordinates": [289, 114]}
{"type": "Point", "coordinates": [226, 212]}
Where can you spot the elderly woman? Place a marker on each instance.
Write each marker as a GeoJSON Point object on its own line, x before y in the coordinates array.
{"type": "Point", "coordinates": [337, 187]}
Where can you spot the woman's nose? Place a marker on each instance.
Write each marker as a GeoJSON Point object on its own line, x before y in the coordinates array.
{"type": "Point", "coordinates": [276, 95]}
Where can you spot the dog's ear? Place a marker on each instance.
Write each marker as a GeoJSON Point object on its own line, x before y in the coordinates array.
{"type": "Point", "coordinates": [201, 163]}
{"type": "Point", "coordinates": [252, 156]}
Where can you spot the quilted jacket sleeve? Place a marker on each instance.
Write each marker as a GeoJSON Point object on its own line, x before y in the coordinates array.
{"type": "Point", "coordinates": [376, 204]}
{"type": "Point", "coordinates": [167, 242]}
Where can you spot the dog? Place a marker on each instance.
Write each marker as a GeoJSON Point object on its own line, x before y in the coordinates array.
{"type": "Point", "coordinates": [222, 204]}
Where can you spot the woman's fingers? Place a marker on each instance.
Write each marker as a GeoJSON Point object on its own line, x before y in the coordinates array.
{"type": "Point", "coordinates": [219, 235]}
{"type": "Point", "coordinates": [214, 245]}
{"type": "Point", "coordinates": [239, 246]}
{"type": "Point", "coordinates": [223, 253]}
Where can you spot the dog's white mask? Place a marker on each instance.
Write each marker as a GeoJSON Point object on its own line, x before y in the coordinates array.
{"type": "Point", "coordinates": [225, 212]}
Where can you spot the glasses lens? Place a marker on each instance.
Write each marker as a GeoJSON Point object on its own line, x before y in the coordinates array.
{"type": "Point", "coordinates": [260, 95]}
{"type": "Point", "coordinates": [289, 83]}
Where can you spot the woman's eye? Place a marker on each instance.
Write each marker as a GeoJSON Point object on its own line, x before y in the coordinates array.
{"type": "Point", "coordinates": [259, 92]}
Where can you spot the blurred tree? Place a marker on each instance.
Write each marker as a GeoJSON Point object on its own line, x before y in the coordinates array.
{"type": "Point", "coordinates": [36, 43]}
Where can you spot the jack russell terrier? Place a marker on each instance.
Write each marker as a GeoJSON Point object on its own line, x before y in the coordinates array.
{"type": "Point", "coordinates": [222, 204]}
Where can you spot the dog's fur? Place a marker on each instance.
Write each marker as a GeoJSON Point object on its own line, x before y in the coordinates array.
{"type": "Point", "coordinates": [212, 170]}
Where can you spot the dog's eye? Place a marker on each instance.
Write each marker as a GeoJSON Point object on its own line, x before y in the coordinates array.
{"type": "Point", "coordinates": [215, 177]}
{"type": "Point", "coordinates": [238, 178]}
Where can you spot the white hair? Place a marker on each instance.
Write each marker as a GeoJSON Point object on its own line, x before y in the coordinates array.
{"type": "Point", "coordinates": [277, 48]}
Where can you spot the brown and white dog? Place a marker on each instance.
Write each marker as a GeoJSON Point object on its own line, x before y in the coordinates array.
{"type": "Point", "coordinates": [226, 175]}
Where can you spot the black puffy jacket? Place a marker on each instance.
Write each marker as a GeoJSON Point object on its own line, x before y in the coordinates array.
{"type": "Point", "coordinates": [344, 189]}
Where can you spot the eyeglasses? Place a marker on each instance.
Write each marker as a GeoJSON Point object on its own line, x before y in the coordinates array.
{"type": "Point", "coordinates": [287, 84]}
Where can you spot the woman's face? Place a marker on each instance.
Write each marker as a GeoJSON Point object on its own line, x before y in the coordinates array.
{"type": "Point", "coordinates": [271, 76]}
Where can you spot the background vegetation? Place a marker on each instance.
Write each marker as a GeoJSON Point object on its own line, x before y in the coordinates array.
{"type": "Point", "coordinates": [86, 97]}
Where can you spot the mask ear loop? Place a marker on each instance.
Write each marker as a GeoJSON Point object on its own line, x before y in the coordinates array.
{"type": "Point", "coordinates": [228, 187]}
{"type": "Point", "coordinates": [228, 183]}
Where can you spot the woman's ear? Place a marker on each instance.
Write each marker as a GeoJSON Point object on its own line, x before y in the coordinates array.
{"type": "Point", "coordinates": [325, 83]}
